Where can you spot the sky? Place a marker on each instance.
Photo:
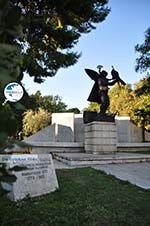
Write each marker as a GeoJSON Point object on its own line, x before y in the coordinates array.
{"type": "Point", "coordinates": [111, 43]}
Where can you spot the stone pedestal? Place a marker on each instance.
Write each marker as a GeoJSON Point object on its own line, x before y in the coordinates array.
{"type": "Point", "coordinates": [100, 137]}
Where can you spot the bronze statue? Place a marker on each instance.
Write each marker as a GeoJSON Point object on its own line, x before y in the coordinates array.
{"type": "Point", "coordinates": [99, 92]}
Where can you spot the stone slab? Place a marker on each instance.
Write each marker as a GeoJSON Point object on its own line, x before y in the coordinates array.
{"type": "Point", "coordinates": [64, 130]}
{"type": "Point", "coordinates": [78, 128]}
{"type": "Point", "coordinates": [37, 179]}
{"type": "Point", "coordinates": [82, 159]}
{"type": "Point", "coordinates": [45, 135]}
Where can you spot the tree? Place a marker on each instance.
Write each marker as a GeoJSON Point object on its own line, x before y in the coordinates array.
{"type": "Point", "coordinates": [36, 37]}
{"type": "Point", "coordinates": [10, 30]}
{"type": "Point", "coordinates": [51, 29]}
{"type": "Point", "coordinates": [75, 110]}
{"type": "Point", "coordinates": [143, 62]}
{"type": "Point", "coordinates": [143, 86]}
{"type": "Point", "coordinates": [50, 103]}
{"type": "Point", "coordinates": [141, 113]}
{"type": "Point", "coordinates": [141, 108]}
{"type": "Point", "coordinates": [121, 100]}
{"type": "Point", "coordinates": [39, 112]}
{"type": "Point", "coordinates": [134, 103]}
{"type": "Point", "coordinates": [33, 121]}
{"type": "Point", "coordinates": [10, 61]}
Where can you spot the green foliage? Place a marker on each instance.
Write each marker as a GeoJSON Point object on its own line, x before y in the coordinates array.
{"type": "Point", "coordinates": [10, 62]}
{"type": "Point", "coordinates": [40, 109]}
{"type": "Point", "coordinates": [5, 176]}
{"type": "Point", "coordinates": [75, 110]}
{"type": "Point", "coordinates": [36, 37]}
{"type": "Point", "coordinates": [141, 108]}
{"type": "Point", "coordinates": [11, 113]}
{"type": "Point", "coordinates": [134, 103]}
{"type": "Point", "coordinates": [92, 106]}
{"type": "Point", "coordinates": [51, 30]}
{"type": "Point", "coordinates": [33, 121]}
{"type": "Point", "coordinates": [86, 197]}
{"type": "Point", "coordinates": [8, 126]}
{"type": "Point", "coordinates": [49, 103]}
{"type": "Point", "coordinates": [121, 100]}
{"type": "Point", "coordinates": [10, 30]}
{"type": "Point", "coordinates": [143, 86]}
{"type": "Point", "coordinates": [10, 18]}
{"type": "Point", "coordinates": [143, 62]}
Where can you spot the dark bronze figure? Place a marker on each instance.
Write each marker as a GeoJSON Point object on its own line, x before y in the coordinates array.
{"type": "Point", "coordinates": [99, 92]}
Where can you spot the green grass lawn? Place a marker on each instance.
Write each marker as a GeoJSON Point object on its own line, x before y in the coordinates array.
{"type": "Point", "coordinates": [86, 198]}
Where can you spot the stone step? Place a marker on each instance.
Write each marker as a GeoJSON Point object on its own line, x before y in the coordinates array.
{"type": "Point", "coordinates": [83, 159]}
{"type": "Point", "coordinates": [133, 147]}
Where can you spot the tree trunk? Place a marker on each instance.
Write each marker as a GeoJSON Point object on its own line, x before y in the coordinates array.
{"type": "Point", "coordinates": [143, 132]}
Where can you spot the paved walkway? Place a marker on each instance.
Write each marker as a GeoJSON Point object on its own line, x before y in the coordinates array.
{"type": "Point", "coordinates": [135, 173]}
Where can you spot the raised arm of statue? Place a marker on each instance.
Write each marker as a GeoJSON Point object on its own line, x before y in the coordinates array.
{"type": "Point", "coordinates": [115, 75]}
{"type": "Point", "coordinates": [112, 82]}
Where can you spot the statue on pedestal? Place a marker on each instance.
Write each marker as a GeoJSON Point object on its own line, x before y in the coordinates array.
{"type": "Point", "coordinates": [99, 92]}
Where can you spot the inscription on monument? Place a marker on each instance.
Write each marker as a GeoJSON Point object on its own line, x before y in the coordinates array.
{"type": "Point", "coordinates": [36, 179]}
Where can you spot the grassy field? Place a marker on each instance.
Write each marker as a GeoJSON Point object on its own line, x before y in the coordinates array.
{"type": "Point", "coordinates": [86, 198]}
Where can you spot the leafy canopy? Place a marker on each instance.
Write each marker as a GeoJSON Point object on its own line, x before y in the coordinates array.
{"type": "Point", "coordinates": [33, 121]}
{"type": "Point", "coordinates": [50, 103]}
{"type": "Point", "coordinates": [10, 61]}
{"type": "Point", "coordinates": [52, 28]}
{"type": "Point", "coordinates": [121, 100]}
{"type": "Point", "coordinates": [143, 62]}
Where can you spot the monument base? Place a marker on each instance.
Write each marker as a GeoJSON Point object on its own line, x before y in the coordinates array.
{"type": "Point", "coordinates": [89, 116]}
{"type": "Point", "coordinates": [100, 137]}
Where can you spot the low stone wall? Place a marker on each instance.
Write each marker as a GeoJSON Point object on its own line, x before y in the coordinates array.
{"type": "Point", "coordinates": [128, 132]}
{"type": "Point", "coordinates": [54, 147]}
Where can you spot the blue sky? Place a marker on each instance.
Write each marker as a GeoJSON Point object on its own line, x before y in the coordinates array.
{"type": "Point", "coordinates": [112, 43]}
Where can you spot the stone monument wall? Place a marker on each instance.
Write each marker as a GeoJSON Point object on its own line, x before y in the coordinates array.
{"type": "Point", "coordinates": [78, 128]}
{"type": "Point", "coordinates": [64, 126]}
